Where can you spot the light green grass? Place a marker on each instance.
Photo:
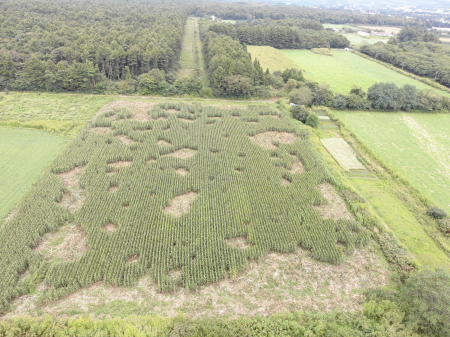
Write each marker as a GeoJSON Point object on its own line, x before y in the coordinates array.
{"type": "Point", "coordinates": [346, 69]}
{"type": "Point", "coordinates": [402, 222]}
{"type": "Point", "coordinates": [356, 40]}
{"type": "Point", "coordinates": [417, 145]}
{"type": "Point", "coordinates": [23, 156]}
{"type": "Point", "coordinates": [187, 56]}
{"type": "Point", "coordinates": [271, 58]}
{"type": "Point", "coordinates": [229, 21]}
{"type": "Point", "coordinates": [64, 114]}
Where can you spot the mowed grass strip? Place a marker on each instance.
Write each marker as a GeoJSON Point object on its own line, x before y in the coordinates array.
{"type": "Point", "coordinates": [64, 114]}
{"type": "Point", "coordinates": [346, 69]}
{"type": "Point", "coordinates": [271, 58]}
{"type": "Point", "coordinates": [403, 223]}
{"type": "Point", "coordinates": [187, 56]}
{"type": "Point", "coordinates": [23, 156]}
{"type": "Point", "coordinates": [416, 145]}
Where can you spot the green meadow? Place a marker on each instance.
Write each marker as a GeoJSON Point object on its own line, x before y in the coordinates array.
{"type": "Point", "coordinates": [417, 145]}
{"type": "Point", "coordinates": [24, 154]}
{"type": "Point", "coordinates": [345, 69]}
{"type": "Point", "coordinates": [271, 58]}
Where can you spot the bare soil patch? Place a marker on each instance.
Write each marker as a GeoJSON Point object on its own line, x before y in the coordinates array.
{"type": "Point", "coordinates": [238, 242]}
{"type": "Point", "coordinates": [335, 208]}
{"type": "Point", "coordinates": [113, 188]}
{"type": "Point", "coordinates": [150, 160]}
{"type": "Point", "coordinates": [267, 139]}
{"type": "Point", "coordinates": [275, 283]}
{"type": "Point", "coordinates": [183, 153]}
{"type": "Point", "coordinates": [11, 215]}
{"type": "Point", "coordinates": [181, 204]}
{"type": "Point", "coordinates": [285, 182]}
{"type": "Point", "coordinates": [76, 197]}
{"type": "Point", "coordinates": [182, 171]}
{"type": "Point", "coordinates": [163, 142]}
{"type": "Point", "coordinates": [174, 274]}
{"type": "Point", "coordinates": [125, 140]}
{"type": "Point", "coordinates": [296, 166]}
{"type": "Point", "coordinates": [101, 129]}
{"type": "Point", "coordinates": [172, 111]}
{"type": "Point", "coordinates": [133, 259]}
{"type": "Point", "coordinates": [187, 120]}
{"type": "Point", "coordinates": [139, 109]}
{"type": "Point", "coordinates": [67, 243]}
{"type": "Point", "coordinates": [121, 163]}
{"type": "Point", "coordinates": [111, 227]}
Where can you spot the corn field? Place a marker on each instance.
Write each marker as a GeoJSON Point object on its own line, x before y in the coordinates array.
{"type": "Point", "coordinates": [239, 192]}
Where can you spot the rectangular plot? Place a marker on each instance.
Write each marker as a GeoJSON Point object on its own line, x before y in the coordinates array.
{"type": "Point", "coordinates": [342, 153]}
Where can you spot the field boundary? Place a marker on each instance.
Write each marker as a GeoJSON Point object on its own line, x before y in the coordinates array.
{"type": "Point", "coordinates": [424, 80]}
{"type": "Point", "coordinates": [410, 193]}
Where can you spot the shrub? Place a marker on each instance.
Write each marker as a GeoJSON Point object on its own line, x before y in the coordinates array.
{"type": "Point", "coordinates": [340, 102]}
{"type": "Point", "coordinates": [425, 298]}
{"type": "Point", "coordinates": [302, 96]}
{"type": "Point", "coordinates": [436, 213]}
{"type": "Point", "coordinates": [444, 225]}
{"type": "Point", "coordinates": [312, 120]}
{"type": "Point", "coordinates": [300, 113]}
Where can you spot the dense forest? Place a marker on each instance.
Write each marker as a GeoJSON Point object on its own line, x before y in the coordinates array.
{"type": "Point", "coordinates": [288, 36]}
{"type": "Point", "coordinates": [424, 59]}
{"type": "Point", "coordinates": [77, 45]}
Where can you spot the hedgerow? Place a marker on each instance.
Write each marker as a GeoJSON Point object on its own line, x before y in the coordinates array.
{"type": "Point", "coordinates": [239, 190]}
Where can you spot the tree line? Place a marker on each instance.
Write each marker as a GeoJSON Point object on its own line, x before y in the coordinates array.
{"type": "Point", "coordinates": [421, 58]}
{"type": "Point", "coordinates": [282, 37]}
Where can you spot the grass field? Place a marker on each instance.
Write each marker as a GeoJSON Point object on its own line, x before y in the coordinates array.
{"type": "Point", "coordinates": [184, 194]}
{"type": "Point", "coordinates": [271, 58]}
{"type": "Point", "coordinates": [399, 219]}
{"type": "Point", "coordinates": [64, 114]}
{"type": "Point", "coordinates": [187, 55]}
{"type": "Point", "coordinates": [346, 69]}
{"type": "Point", "coordinates": [24, 154]}
{"type": "Point", "coordinates": [417, 145]}
{"type": "Point", "coordinates": [387, 29]}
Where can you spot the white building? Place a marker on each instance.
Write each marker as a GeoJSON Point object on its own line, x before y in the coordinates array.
{"type": "Point", "coordinates": [442, 29]}
{"type": "Point", "coordinates": [363, 33]}
{"type": "Point", "coordinates": [378, 33]}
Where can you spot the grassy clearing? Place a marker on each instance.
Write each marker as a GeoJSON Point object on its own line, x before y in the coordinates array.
{"type": "Point", "coordinates": [387, 29]}
{"type": "Point", "coordinates": [64, 114]}
{"type": "Point", "coordinates": [346, 69]}
{"type": "Point", "coordinates": [272, 58]}
{"type": "Point", "coordinates": [187, 56]}
{"type": "Point", "coordinates": [403, 223]}
{"type": "Point", "coordinates": [24, 154]}
{"type": "Point", "coordinates": [415, 144]}
{"type": "Point", "coordinates": [127, 170]}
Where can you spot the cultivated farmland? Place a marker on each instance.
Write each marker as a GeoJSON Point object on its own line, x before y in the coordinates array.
{"type": "Point", "coordinates": [417, 145]}
{"type": "Point", "coordinates": [271, 58]}
{"type": "Point", "coordinates": [346, 69]}
{"type": "Point", "coordinates": [185, 194]}
{"type": "Point", "coordinates": [24, 154]}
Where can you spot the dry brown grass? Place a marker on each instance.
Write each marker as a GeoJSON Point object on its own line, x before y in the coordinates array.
{"type": "Point", "coordinates": [181, 204]}
{"type": "Point", "coordinates": [183, 153]}
{"type": "Point", "coordinates": [67, 243]}
{"type": "Point", "coordinates": [121, 163]}
{"type": "Point", "coordinates": [277, 282]}
{"type": "Point", "coordinates": [125, 140]}
{"type": "Point", "coordinates": [163, 142]}
{"type": "Point", "coordinates": [11, 215]}
{"type": "Point", "coordinates": [267, 139]}
{"type": "Point", "coordinates": [341, 151]}
{"type": "Point", "coordinates": [285, 182]}
{"type": "Point", "coordinates": [113, 189]}
{"type": "Point", "coordinates": [239, 242]}
{"type": "Point", "coordinates": [335, 208]}
{"type": "Point", "coordinates": [182, 171]}
{"type": "Point", "coordinates": [71, 180]}
{"type": "Point", "coordinates": [111, 227]}
{"type": "Point", "coordinates": [186, 120]}
{"type": "Point", "coordinates": [296, 166]}
{"type": "Point", "coordinates": [133, 259]}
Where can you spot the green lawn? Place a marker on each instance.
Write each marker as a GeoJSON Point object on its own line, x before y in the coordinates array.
{"type": "Point", "coordinates": [400, 220]}
{"type": "Point", "coordinates": [23, 156]}
{"type": "Point", "coordinates": [346, 69]}
{"type": "Point", "coordinates": [64, 114]}
{"type": "Point", "coordinates": [416, 144]}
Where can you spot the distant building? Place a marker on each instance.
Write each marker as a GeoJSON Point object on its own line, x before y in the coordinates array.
{"type": "Point", "coordinates": [347, 49]}
{"type": "Point", "coordinates": [213, 18]}
{"type": "Point", "coordinates": [293, 104]}
{"type": "Point", "coordinates": [379, 33]}
{"type": "Point", "coordinates": [442, 29]}
{"type": "Point", "coordinates": [363, 33]}
{"type": "Point", "coordinates": [336, 30]}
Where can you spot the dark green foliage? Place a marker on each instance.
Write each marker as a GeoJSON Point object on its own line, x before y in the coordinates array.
{"type": "Point", "coordinates": [417, 34]}
{"type": "Point", "coordinates": [323, 95]}
{"type": "Point", "coordinates": [238, 196]}
{"type": "Point", "coordinates": [291, 73]}
{"type": "Point", "coordinates": [425, 298]}
{"type": "Point", "coordinates": [281, 36]}
{"type": "Point", "coordinates": [302, 96]}
{"type": "Point", "coordinates": [312, 120]}
{"type": "Point", "coordinates": [436, 213]}
{"type": "Point", "coordinates": [424, 59]}
{"type": "Point", "coordinates": [340, 102]}
{"type": "Point", "coordinates": [299, 112]}
{"type": "Point", "coordinates": [67, 46]}
{"type": "Point", "coordinates": [383, 96]}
